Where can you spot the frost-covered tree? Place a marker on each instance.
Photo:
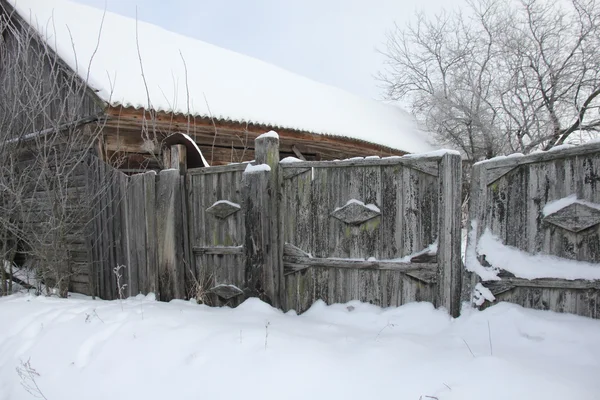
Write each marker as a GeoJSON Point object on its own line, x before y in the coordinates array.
{"type": "Point", "coordinates": [501, 76]}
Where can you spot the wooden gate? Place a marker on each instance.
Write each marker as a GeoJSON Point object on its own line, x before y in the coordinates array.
{"type": "Point", "coordinates": [383, 231]}
{"type": "Point", "coordinates": [217, 232]}
{"type": "Point", "coordinates": [234, 229]}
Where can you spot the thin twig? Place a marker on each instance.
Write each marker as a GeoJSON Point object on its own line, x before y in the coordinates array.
{"type": "Point", "coordinates": [468, 347]}
{"type": "Point", "coordinates": [490, 339]}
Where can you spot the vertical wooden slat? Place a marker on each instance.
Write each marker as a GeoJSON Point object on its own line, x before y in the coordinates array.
{"type": "Point", "coordinates": [449, 256]}
{"type": "Point", "coordinates": [149, 226]}
{"type": "Point", "coordinates": [169, 226]}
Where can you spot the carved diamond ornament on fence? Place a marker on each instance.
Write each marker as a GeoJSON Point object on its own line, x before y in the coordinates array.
{"type": "Point", "coordinates": [355, 212]}
{"type": "Point", "coordinates": [226, 292]}
{"type": "Point", "coordinates": [575, 217]}
{"type": "Point", "coordinates": [223, 209]}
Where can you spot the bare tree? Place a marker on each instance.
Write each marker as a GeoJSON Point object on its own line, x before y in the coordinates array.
{"type": "Point", "coordinates": [503, 76]}
{"type": "Point", "coordinates": [49, 124]}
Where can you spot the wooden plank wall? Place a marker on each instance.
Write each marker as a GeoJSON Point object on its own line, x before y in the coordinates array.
{"type": "Point", "coordinates": [508, 197]}
{"type": "Point", "coordinates": [414, 196]}
{"type": "Point", "coordinates": [50, 200]}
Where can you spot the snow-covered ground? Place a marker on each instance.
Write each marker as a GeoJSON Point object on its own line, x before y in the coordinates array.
{"type": "Point", "coordinates": [142, 349]}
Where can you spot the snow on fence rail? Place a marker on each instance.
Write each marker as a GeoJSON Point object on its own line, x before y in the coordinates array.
{"type": "Point", "coordinates": [535, 231]}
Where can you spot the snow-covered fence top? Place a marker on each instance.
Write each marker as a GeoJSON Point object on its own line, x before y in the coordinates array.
{"type": "Point", "coordinates": [535, 230]}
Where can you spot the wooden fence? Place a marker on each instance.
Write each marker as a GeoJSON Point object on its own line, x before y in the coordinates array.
{"type": "Point", "coordinates": [384, 231]}
{"type": "Point", "coordinates": [138, 237]}
{"type": "Point", "coordinates": [546, 203]}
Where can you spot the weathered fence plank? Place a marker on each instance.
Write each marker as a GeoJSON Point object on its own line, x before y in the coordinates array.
{"type": "Point", "coordinates": [449, 255]}
{"type": "Point", "coordinates": [169, 226]}
{"type": "Point", "coordinates": [264, 267]}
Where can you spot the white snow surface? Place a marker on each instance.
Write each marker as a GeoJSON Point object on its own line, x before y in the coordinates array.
{"type": "Point", "coordinates": [94, 350]}
{"type": "Point", "coordinates": [220, 83]}
{"type": "Point", "coordinates": [270, 134]}
{"type": "Point", "coordinates": [231, 203]}
{"type": "Point", "coordinates": [514, 155]}
{"type": "Point", "coordinates": [472, 264]}
{"type": "Point", "coordinates": [557, 205]}
{"type": "Point", "coordinates": [289, 160]}
{"type": "Point", "coordinates": [193, 142]}
{"type": "Point", "coordinates": [434, 153]}
{"type": "Point", "coordinates": [481, 294]}
{"type": "Point", "coordinates": [372, 207]}
{"type": "Point", "coordinates": [431, 249]}
{"type": "Point", "coordinates": [529, 266]}
{"type": "Point", "coordinates": [252, 169]}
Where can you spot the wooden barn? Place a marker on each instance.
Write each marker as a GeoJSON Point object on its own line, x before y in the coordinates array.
{"type": "Point", "coordinates": [146, 83]}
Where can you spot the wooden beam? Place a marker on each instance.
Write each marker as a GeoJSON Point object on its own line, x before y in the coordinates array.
{"type": "Point", "coordinates": [298, 153]}
{"type": "Point", "coordinates": [216, 250]}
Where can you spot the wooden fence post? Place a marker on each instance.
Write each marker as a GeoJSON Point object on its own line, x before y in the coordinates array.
{"type": "Point", "coordinates": [170, 227]}
{"type": "Point", "coordinates": [260, 190]}
{"type": "Point", "coordinates": [178, 158]}
{"type": "Point", "coordinates": [449, 257]}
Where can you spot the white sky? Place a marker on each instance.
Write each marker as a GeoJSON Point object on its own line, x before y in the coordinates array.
{"type": "Point", "coordinates": [330, 41]}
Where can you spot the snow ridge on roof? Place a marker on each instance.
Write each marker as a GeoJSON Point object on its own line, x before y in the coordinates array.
{"type": "Point", "coordinates": [219, 83]}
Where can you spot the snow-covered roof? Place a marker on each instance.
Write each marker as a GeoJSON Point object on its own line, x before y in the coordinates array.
{"type": "Point", "coordinates": [219, 82]}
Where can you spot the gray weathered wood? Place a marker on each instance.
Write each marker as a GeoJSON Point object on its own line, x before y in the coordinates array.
{"type": "Point", "coordinates": [263, 248]}
{"type": "Point", "coordinates": [508, 197]}
{"type": "Point", "coordinates": [178, 158]}
{"type": "Point", "coordinates": [169, 225]}
{"type": "Point", "coordinates": [295, 263]}
{"type": "Point", "coordinates": [236, 250]}
{"type": "Point", "coordinates": [218, 169]}
{"type": "Point", "coordinates": [409, 161]}
{"type": "Point", "coordinates": [449, 256]}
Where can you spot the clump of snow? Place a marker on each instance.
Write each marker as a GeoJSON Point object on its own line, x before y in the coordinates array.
{"type": "Point", "coordinates": [431, 249]}
{"type": "Point", "coordinates": [102, 48]}
{"type": "Point", "coordinates": [557, 205]}
{"type": "Point", "coordinates": [372, 158]}
{"type": "Point", "coordinates": [252, 169]}
{"type": "Point", "coordinates": [562, 147]}
{"type": "Point", "coordinates": [472, 264]}
{"type": "Point", "coordinates": [528, 266]}
{"type": "Point", "coordinates": [289, 160]}
{"type": "Point", "coordinates": [432, 154]}
{"type": "Point", "coordinates": [355, 201]}
{"type": "Point", "coordinates": [270, 134]}
{"type": "Point", "coordinates": [514, 155]}
{"type": "Point", "coordinates": [481, 294]}
{"type": "Point", "coordinates": [93, 349]}
{"type": "Point", "coordinates": [235, 205]}
{"type": "Point", "coordinates": [193, 142]}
